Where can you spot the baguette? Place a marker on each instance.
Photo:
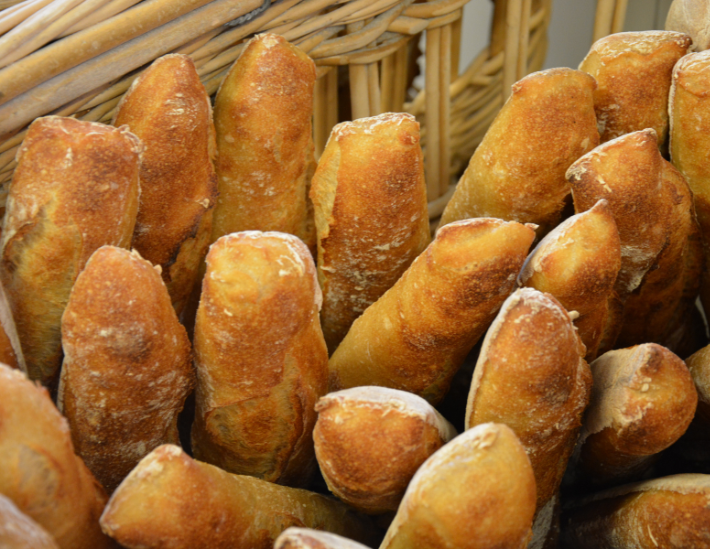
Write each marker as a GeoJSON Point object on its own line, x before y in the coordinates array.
{"type": "Point", "coordinates": [478, 491]}
{"type": "Point", "coordinates": [167, 107]}
{"type": "Point", "coordinates": [306, 538]}
{"type": "Point", "coordinates": [171, 500]}
{"type": "Point", "coordinates": [577, 263]}
{"type": "Point", "coordinates": [626, 171]}
{"type": "Point", "coordinates": [39, 470]}
{"type": "Point", "coordinates": [633, 72]}
{"type": "Point", "coordinates": [127, 364]}
{"type": "Point", "coordinates": [643, 400]}
{"type": "Point", "coordinates": [18, 531]}
{"type": "Point", "coordinates": [693, 18]}
{"type": "Point", "coordinates": [416, 336]}
{"type": "Point", "coordinates": [261, 359]}
{"type": "Point", "coordinates": [670, 512]}
{"type": "Point", "coordinates": [531, 376]}
{"type": "Point", "coordinates": [363, 249]}
{"type": "Point", "coordinates": [75, 189]}
{"type": "Point", "coordinates": [370, 441]}
{"type": "Point", "coordinates": [518, 171]}
{"type": "Point", "coordinates": [265, 160]}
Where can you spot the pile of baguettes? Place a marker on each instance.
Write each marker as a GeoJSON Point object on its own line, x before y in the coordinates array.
{"type": "Point", "coordinates": [337, 363]}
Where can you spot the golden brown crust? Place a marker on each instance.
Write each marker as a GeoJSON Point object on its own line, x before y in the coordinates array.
{"type": "Point", "coordinates": [75, 189]}
{"type": "Point", "coordinates": [643, 400]}
{"type": "Point", "coordinates": [518, 171]}
{"type": "Point", "coordinates": [670, 512]}
{"type": "Point", "coordinates": [260, 356]}
{"type": "Point", "coordinates": [39, 470]}
{"type": "Point", "coordinates": [167, 107]}
{"type": "Point", "coordinates": [416, 336]}
{"type": "Point", "coordinates": [667, 292]}
{"type": "Point", "coordinates": [127, 364]}
{"type": "Point", "coordinates": [699, 366]}
{"type": "Point", "coordinates": [633, 73]}
{"type": "Point", "coordinates": [18, 531]}
{"type": "Point", "coordinates": [627, 173]}
{"type": "Point", "coordinates": [263, 116]}
{"type": "Point", "coordinates": [531, 376]}
{"type": "Point", "coordinates": [478, 491]}
{"type": "Point", "coordinates": [578, 263]}
{"type": "Point", "coordinates": [362, 249]}
{"type": "Point", "coordinates": [307, 538]}
{"type": "Point", "coordinates": [193, 504]}
{"type": "Point", "coordinates": [370, 441]}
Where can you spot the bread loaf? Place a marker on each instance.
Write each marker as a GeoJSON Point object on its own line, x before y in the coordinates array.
{"type": "Point", "coordinates": [670, 512]}
{"type": "Point", "coordinates": [127, 364]}
{"type": "Point", "coordinates": [531, 376]}
{"type": "Point", "coordinates": [75, 189]}
{"type": "Point", "coordinates": [39, 470]}
{"type": "Point", "coordinates": [370, 441]}
{"type": "Point", "coordinates": [577, 263]}
{"type": "Point", "coordinates": [518, 171]}
{"type": "Point", "coordinates": [18, 531]}
{"type": "Point", "coordinates": [10, 348]}
{"type": "Point", "coordinates": [643, 400]}
{"type": "Point", "coordinates": [265, 160]}
{"type": "Point", "coordinates": [167, 107]}
{"type": "Point", "coordinates": [633, 73]}
{"type": "Point", "coordinates": [306, 538]}
{"type": "Point", "coordinates": [693, 18]}
{"type": "Point", "coordinates": [171, 500]}
{"type": "Point", "coordinates": [478, 491]}
{"type": "Point", "coordinates": [416, 336]}
{"type": "Point", "coordinates": [371, 214]}
{"type": "Point", "coordinates": [261, 359]}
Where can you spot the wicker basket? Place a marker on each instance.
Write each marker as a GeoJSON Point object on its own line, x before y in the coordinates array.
{"type": "Point", "coordinates": [76, 58]}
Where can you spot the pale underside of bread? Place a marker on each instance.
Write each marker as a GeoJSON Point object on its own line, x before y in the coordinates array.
{"type": "Point", "coordinates": [416, 336]}
{"type": "Point", "coordinates": [307, 538]}
{"type": "Point", "coordinates": [18, 531]}
{"type": "Point", "coordinates": [691, 17]}
{"type": "Point", "coordinates": [127, 364]}
{"type": "Point", "coordinates": [167, 107]}
{"type": "Point", "coordinates": [10, 348]}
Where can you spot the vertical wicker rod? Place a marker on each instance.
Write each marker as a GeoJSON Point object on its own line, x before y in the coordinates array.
{"type": "Point", "coordinates": [432, 113]}
{"type": "Point", "coordinates": [617, 24]}
{"type": "Point", "coordinates": [387, 81]}
{"type": "Point", "coordinates": [603, 19]}
{"type": "Point", "coordinates": [445, 109]}
{"type": "Point", "coordinates": [320, 122]}
{"type": "Point", "coordinates": [512, 40]}
{"type": "Point", "coordinates": [373, 80]}
{"type": "Point", "coordinates": [523, 39]}
{"type": "Point", "coordinates": [332, 99]}
{"type": "Point", "coordinates": [359, 88]}
{"type": "Point", "coordinates": [400, 79]}
{"type": "Point", "coordinates": [456, 48]}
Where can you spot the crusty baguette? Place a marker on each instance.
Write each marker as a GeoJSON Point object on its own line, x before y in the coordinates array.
{"type": "Point", "coordinates": [18, 531]}
{"type": "Point", "coordinates": [627, 172]}
{"type": "Point", "coordinates": [669, 289]}
{"type": "Point", "coordinates": [643, 400]}
{"type": "Point", "coordinates": [75, 189]}
{"type": "Point", "coordinates": [416, 336]}
{"type": "Point", "coordinates": [127, 364]}
{"type": "Point", "coordinates": [531, 376]}
{"type": "Point", "coordinates": [478, 492]}
{"type": "Point", "coordinates": [699, 366]}
{"type": "Point", "coordinates": [167, 107]}
{"type": "Point", "coordinates": [171, 500]}
{"type": "Point", "coordinates": [370, 441]}
{"type": "Point", "coordinates": [370, 206]}
{"type": "Point", "coordinates": [39, 470]}
{"type": "Point", "coordinates": [691, 17]}
{"type": "Point", "coordinates": [265, 156]}
{"type": "Point", "coordinates": [577, 263]}
{"type": "Point", "coordinates": [307, 538]}
{"type": "Point", "coordinates": [633, 73]}
{"type": "Point", "coordinates": [670, 513]}
{"type": "Point", "coordinates": [261, 359]}
{"type": "Point", "coordinates": [518, 171]}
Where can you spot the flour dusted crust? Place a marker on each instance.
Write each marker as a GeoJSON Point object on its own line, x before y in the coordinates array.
{"type": "Point", "coordinates": [476, 491]}
{"type": "Point", "coordinates": [167, 107]}
{"type": "Point", "coordinates": [265, 161]}
{"type": "Point", "coordinates": [75, 189]}
{"type": "Point", "coordinates": [57, 491]}
{"type": "Point", "coordinates": [18, 531]}
{"type": "Point", "coordinates": [306, 538]}
{"type": "Point", "coordinates": [518, 171]}
{"type": "Point", "coordinates": [260, 356]}
{"type": "Point", "coordinates": [224, 510]}
{"type": "Point", "coordinates": [371, 214]}
{"type": "Point", "coordinates": [127, 365]}
{"type": "Point", "coordinates": [691, 17]}
{"type": "Point", "coordinates": [416, 336]}
{"type": "Point", "coordinates": [370, 441]}
{"type": "Point", "coordinates": [633, 73]}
